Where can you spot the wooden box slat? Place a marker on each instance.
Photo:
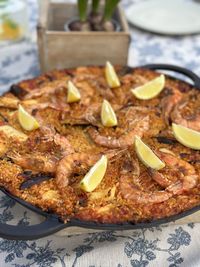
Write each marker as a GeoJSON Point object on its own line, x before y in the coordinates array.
{"type": "Point", "coordinates": [87, 53]}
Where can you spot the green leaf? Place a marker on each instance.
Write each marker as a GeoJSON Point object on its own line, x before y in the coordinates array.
{"type": "Point", "coordinates": [95, 5]}
{"type": "Point", "coordinates": [82, 7]}
{"type": "Point", "coordinates": [110, 6]}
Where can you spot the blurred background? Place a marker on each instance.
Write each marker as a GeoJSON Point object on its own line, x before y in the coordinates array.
{"type": "Point", "coordinates": [150, 23]}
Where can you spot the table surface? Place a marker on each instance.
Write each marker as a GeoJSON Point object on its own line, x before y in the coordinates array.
{"type": "Point", "coordinates": [173, 246]}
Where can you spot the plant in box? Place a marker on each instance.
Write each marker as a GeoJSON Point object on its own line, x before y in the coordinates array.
{"type": "Point", "coordinates": [95, 20]}
{"type": "Point", "coordinates": [86, 33]}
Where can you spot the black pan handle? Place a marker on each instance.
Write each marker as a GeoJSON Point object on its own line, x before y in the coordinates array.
{"type": "Point", "coordinates": [195, 78]}
{"type": "Point", "coordinates": [31, 232]}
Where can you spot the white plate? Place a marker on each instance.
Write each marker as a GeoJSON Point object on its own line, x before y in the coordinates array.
{"type": "Point", "coordinates": [174, 17]}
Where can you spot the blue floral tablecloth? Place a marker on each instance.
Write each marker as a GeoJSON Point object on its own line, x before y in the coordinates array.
{"type": "Point", "coordinates": [174, 245]}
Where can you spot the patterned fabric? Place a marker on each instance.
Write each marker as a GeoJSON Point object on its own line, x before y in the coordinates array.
{"type": "Point", "coordinates": [173, 246]}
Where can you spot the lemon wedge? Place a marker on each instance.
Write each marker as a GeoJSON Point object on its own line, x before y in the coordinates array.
{"type": "Point", "coordinates": [27, 121]}
{"type": "Point", "coordinates": [150, 89]}
{"type": "Point", "coordinates": [73, 94]}
{"type": "Point", "coordinates": [111, 76]}
{"type": "Point", "coordinates": [147, 156]}
{"type": "Point", "coordinates": [186, 136]}
{"type": "Point", "coordinates": [9, 131]}
{"type": "Point", "coordinates": [108, 116]}
{"type": "Point", "coordinates": [95, 175]}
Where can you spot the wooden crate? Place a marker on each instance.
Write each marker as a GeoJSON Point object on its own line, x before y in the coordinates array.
{"type": "Point", "coordinates": [60, 49]}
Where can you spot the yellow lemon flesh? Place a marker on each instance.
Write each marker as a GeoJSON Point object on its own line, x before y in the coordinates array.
{"type": "Point", "coordinates": [111, 76]}
{"type": "Point", "coordinates": [108, 116]}
{"type": "Point", "coordinates": [150, 89]}
{"type": "Point", "coordinates": [147, 156]}
{"type": "Point", "coordinates": [73, 94]}
{"type": "Point", "coordinates": [186, 136]}
{"type": "Point", "coordinates": [12, 132]}
{"type": "Point", "coordinates": [27, 121]}
{"type": "Point", "coordinates": [95, 175]}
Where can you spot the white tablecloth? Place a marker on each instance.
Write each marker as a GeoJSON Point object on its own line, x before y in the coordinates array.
{"type": "Point", "coordinates": [172, 246]}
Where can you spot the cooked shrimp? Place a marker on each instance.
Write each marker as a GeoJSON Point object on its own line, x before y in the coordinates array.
{"type": "Point", "coordinates": [101, 87]}
{"type": "Point", "coordinates": [56, 100]}
{"type": "Point", "coordinates": [54, 96]}
{"type": "Point", "coordinates": [45, 91]}
{"type": "Point", "coordinates": [82, 115]}
{"type": "Point", "coordinates": [63, 143]}
{"type": "Point", "coordinates": [130, 186]}
{"type": "Point", "coordinates": [29, 104]}
{"type": "Point", "coordinates": [115, 154]}
{"type": "Point", "coordinates": [34, 105]}
{"type": "Point", "coordinates": [9, 102]}
{"type": "Point", "coordinates": [58, 91]}
{"type": "Point", "coordinates": [133, 193]}
{"type": "Point", "coordinates": [40, 163]}
{"type": "Point", "coordinates": [136, 80]}
{"type": "Point", "coordinates": [46, 139]}
{"type": "Point", "coordinates": [192, 122]}
{"type": "Point", "coordinates": [50, 147]}
{"type": "Point", "coordinates": [169, 102]}
{"type": "Point", "coordinates": [178, 168]}
{"type": "Point", "coordinates": [87, 115]}
{"type": "Point", "coordinates": [79, 163]}
{"type": "Point", "coordinates": [138, 127]}
{"type": "Point", "coordinates": [86, 90]}
{"type": "Point", "coordinates": [73, 164]}
{"type": "Point", "coordinates": [166, 178]}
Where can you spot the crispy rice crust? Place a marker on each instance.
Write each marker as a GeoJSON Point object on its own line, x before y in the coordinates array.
{"type": "Point", "coordinates": [106, 203]}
